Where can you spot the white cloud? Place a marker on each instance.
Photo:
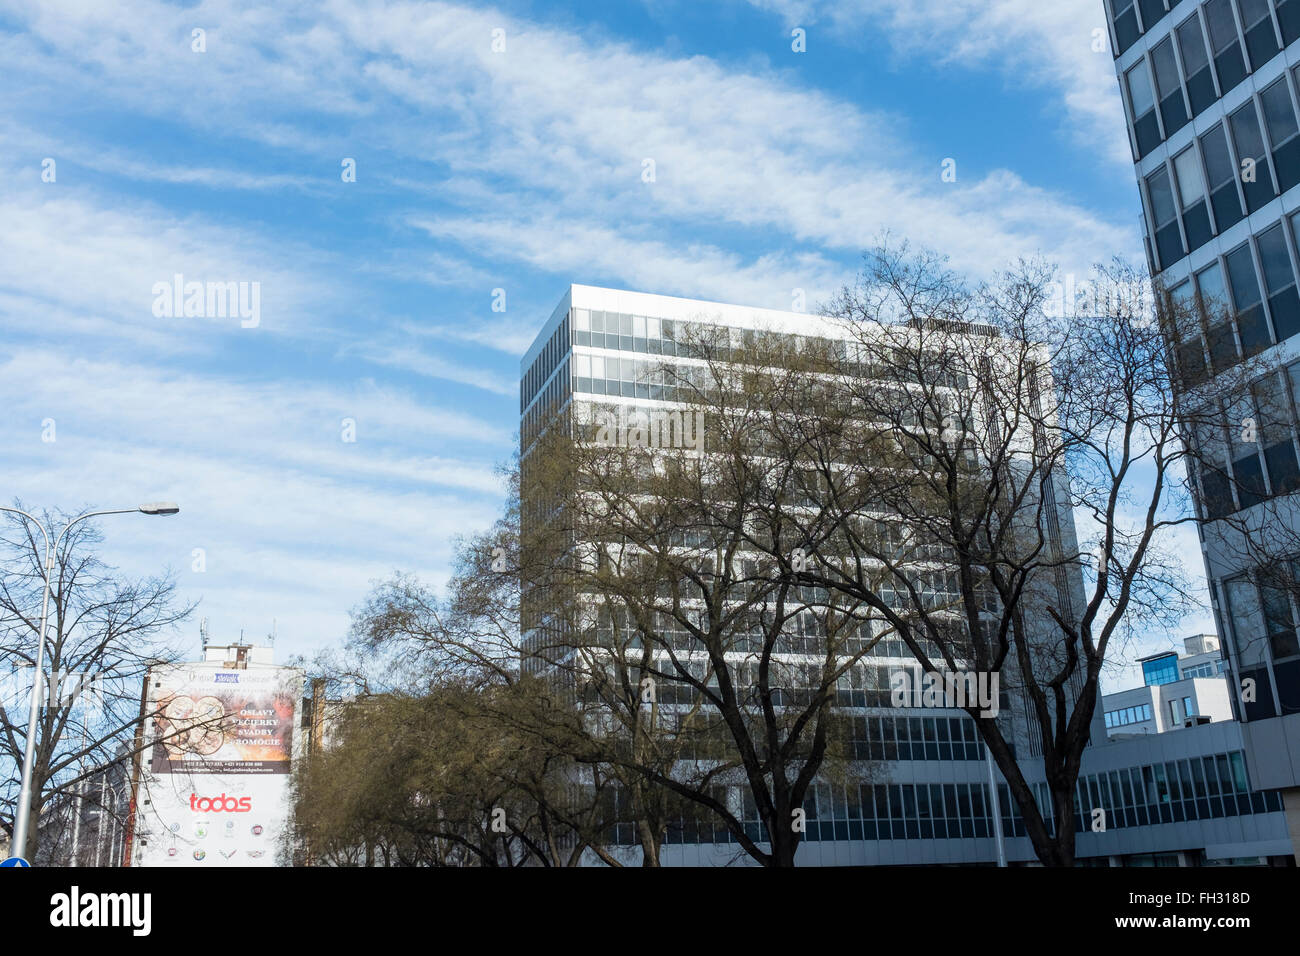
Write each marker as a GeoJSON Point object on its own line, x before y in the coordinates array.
{"type": "Point", "coordinates": [293, 522]}
{"type": "Point", "coordinates": [1048, 43]}
{"type": "Point", "coordinates": [560, 126]}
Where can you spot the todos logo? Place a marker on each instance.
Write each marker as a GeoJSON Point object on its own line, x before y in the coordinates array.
{"type": "Point", "coordinates": [221, 804]}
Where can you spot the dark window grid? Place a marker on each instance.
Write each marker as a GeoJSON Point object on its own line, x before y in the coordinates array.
{"type": "Point", "coordinates": [1285, 80]}
{"type": "Point", "coordinates": [1143, 63]}
{"type": "Point", "coordinates": [1125, 29]}
{"type": "Point", "coordinates": [1264, 447]}
{"type": "Point", "coordinates": [1266, 297]}
{"type": "Point", "coordinates": [1261, 118]}
{"type": "Point", "coordinates": [1193, 243]}
{"type": "Point", "coordinates": [1238, 310]}
{"type": "Point", "coordinates": [1222, 265]}
{"type": "Point", "coordinates": [1230, 58]}
{"type": "Point", "coordinates": [1156, 228]}
{"type": "Point", "coordinates": [1249, 478]}
{"type": "Point", "coordinates": [1262, 38]}
{"type": "Point", "coordinates": [1180, 80]}
{"type": "Point", "coordinates": [1291, 239]}
{"type": "Point", "coordinates": [1212, 187]}
{"type": "Point", "coordinates": [1265, 159]}
{"type": "Point", "coordinates": [1288, 18]}
{"type": "Point", "coordinates": [1196, 84]}
{"type": "Point", "coordinates": [1198, 339]}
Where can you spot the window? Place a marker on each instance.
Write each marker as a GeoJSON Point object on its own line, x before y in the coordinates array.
{"type": "Point", "coordinates": [1280, 121]}
{"type": "Point", "coordinates": [1173, 111]}
{"type": "Point", "coordinates": [1196, 64]}
{"type": "Point", "coordinates": [1247, 472]}
{"type": "Point", "coordinates": [1274, 427]}
{"type": "Point", "coordinates": [1213, 296]}
{"type": "Point", "coordinates": [1152, 11]}
{"type": "Point", "coordinates": [1256, 181]}
{"type": "Point", "coordinates": [638, 333]}
{"type": "Point", "coordinates": [1191, 197]}
{"type": "Point", "coordinates": [1229, 63]}
{"type": "Point", "coordinates": [1257, 24]}
{"type": "Point", "coordinates": [1246, 297]}
{"type": "Point", "coordinates": [1146, 127]}
{"type": "Point", "coordinates": [1221, 172]}
{"type": "Point", "coordinates": [1279, 280]}
{"type": "Point", "coordinates": [1175, 717]}
{"type": "Point", "coordinates": [1124, 16]}
{"type": "Point", "coordinates": [1185, 319]}
{"type": "Point", "coordinates": [1212, 458]}
{"type": "Point", "coordinates": [1288, 18]}
{"type": "Point", "coordinates": [1161, 670]}
{"type": "Point", "coordinates": [1247, 618]}
{"type": "Point", "coordinates": [1279, 621]}
{"type": "Point", "coordinates": [1169, 242]}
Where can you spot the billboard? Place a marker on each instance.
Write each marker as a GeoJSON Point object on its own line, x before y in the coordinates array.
{"type": "Point", "coordinates": [214, 788]}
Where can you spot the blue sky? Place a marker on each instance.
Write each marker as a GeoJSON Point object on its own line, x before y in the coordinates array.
{"type": "Point", "coordinates": [475, 170]}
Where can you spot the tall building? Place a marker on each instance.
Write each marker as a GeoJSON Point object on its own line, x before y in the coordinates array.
{"type": "Point", "coordinates": [1210, 89]}
{"type": "Point", "coordinates": [1188, 801]}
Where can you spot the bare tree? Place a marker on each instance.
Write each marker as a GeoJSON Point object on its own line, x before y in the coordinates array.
{"type": "Point", "coordinates": [103, 635]}
{"type": "Point", "coordinates": [961, 433]}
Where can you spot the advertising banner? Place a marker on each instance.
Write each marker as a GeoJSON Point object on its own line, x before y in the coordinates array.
{"type": "Point", "coordinates": [210, 720]}
{"type": "Point", "coordinates": [215, 784]}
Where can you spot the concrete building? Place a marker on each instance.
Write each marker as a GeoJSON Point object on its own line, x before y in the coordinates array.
{"type": "Point", "coordinates": [1177, 690]}
{"type": "Point", "coordinates": [1169, 799]}
{"type": "Point", "coordinates": [1210, 91]}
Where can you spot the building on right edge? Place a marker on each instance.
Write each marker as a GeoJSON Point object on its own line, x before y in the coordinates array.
{"type": "Point", "coordinates": [1211, 91]}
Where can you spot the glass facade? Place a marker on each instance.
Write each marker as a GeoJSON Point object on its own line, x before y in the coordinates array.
{"type": "Point", "coordinates": [1175, 791]}
{"type": "Point", "coordinates": [1162, 670]}
{"type": "Point", "coordinates": [1211, 92]}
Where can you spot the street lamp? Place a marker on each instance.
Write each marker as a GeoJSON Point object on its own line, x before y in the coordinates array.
{"type": "Point", "coordinates": [22, 815]}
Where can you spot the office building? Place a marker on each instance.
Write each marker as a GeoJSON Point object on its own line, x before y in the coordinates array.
{"type": "Point", "coordinates": [1177, 691]}
{"type": "Point", "coordinates": [1210, 91]}
{"type": "Point", "coordinates": [1170, 799]}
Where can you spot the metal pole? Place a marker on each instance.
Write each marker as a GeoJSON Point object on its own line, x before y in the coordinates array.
{"type": "Point", "coordinates": [997, 808]}
{"type": "Point", "coordinates": [103, 811]}
{"type": "Point", "coordinates": [22, 813]}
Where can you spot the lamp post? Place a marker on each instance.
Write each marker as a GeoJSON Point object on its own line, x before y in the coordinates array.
{"type": "Point", "coordinates": [22, 815]}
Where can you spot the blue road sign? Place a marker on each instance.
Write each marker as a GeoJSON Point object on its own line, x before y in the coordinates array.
{"type": "Point", "coordinates": [15, 861]}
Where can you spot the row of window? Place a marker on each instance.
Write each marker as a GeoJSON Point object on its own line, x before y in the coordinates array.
{"type": "Point", "coordinates": [1128, 715]}
{"type": "Point", "coordinates": [915, 738]}
{"type": "Point", "coordinates": [649, 335]}
{"type": "Point", "coordinates": [1228, 172]}
{"type": "Point", "coordinates": [1199, 788]}
{"type": "Point", "coordinates": [1207, 669]}
{"type": "Point", "coordinates": [1249, 455]}
{"type": "Point", "coordinates": [1182, 75]}
{"type": "Point", "coordinates": [1240, 317]}
{"type": "Point", "coordinates": [553, 395]}
{"type": "Point", "coordinates": [1132, 18]}
{"type": "Point", "coordinates": [955, 811]}
{"type": "Point", "coordinates": [551, 355]}
{"type": "Point", "coordinates": [1263, 614]}
{"type": "Point", "coordinates": [1161, 670]}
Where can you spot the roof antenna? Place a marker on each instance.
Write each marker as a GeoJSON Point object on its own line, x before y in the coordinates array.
{"type": "Point", "coordinates": [271, 637]}
{"type": "Point", "coordinates": [203, 632]}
